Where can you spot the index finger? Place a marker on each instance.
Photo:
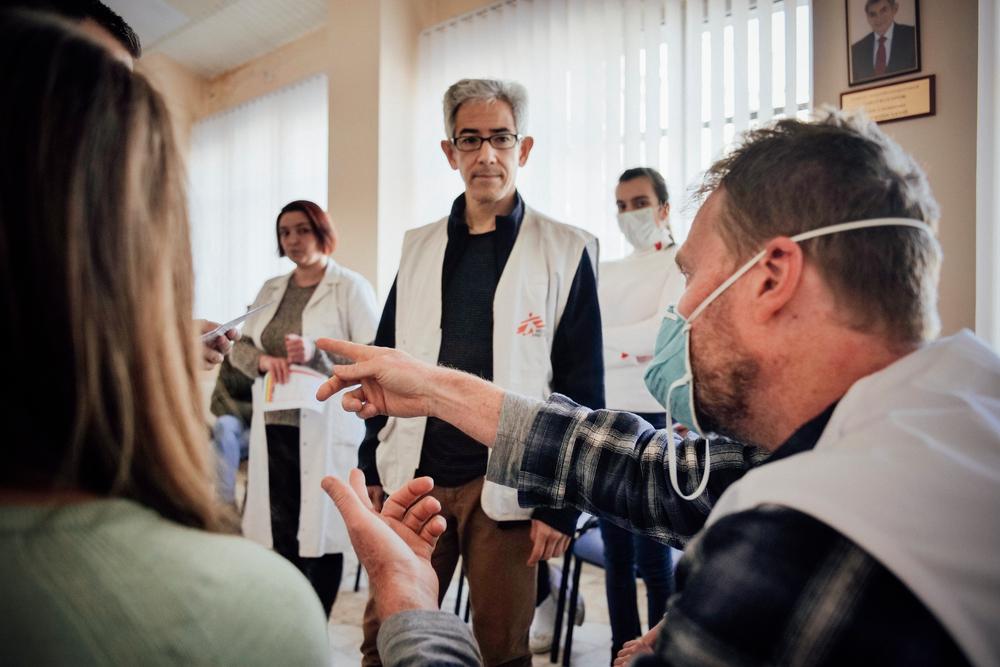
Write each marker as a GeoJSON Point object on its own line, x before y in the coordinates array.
{"type": "Point", "coordinates": [343, 348]}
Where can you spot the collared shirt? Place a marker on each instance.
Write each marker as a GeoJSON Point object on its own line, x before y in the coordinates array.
{"type": "Point", "coordinates": [765, 586]}
{"type": "Point", "coordinates": [888, 44]}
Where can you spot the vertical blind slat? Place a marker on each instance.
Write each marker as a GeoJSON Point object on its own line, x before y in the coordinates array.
{"type": "Point", "coordinates": [741, 92]}
{"type": "Point", "coordinates": [716, 25]}
{"type": "Point", "coordinates": [791, 22]}
{"type": "Point", "coordinates": [592, 111]}
{"type": "Point", "coordinates": [764, 13]}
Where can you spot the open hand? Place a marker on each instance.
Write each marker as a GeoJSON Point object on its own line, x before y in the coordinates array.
{"type": "Point", "coordinates": [394, 546]}
{"type": "Point", "coordinates": [643, 644]}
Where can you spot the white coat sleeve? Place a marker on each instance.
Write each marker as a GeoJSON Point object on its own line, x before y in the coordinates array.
{"type": "Point", "coordinates": [624, 344]}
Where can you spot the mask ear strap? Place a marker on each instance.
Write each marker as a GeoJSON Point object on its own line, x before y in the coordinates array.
{"type": "Point", "coordinates": [823, 231]}
{"type": "Point", "coordinates": [865, 224]}
{"type": "Point", "coordinates": [811, 234]}
{"type": "Point", "coordinates": [672, 451]}
{"type": "Point", "coordinates": [724, 286]}
{"type": "Point", "coordinates": [672, 465]}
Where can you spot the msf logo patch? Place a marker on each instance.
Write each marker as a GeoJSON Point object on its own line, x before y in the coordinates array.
{"type": "Point", "coordinates": [532, 326]}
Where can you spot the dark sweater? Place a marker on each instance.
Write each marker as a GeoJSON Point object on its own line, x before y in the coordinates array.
{"type": "Point", "coordinates": [449, 456]}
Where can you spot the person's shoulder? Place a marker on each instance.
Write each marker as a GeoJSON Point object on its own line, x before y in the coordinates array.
{"type": "Point", "coordinates": [556, 228]}
{"type": "Point", "coordinates": [167, 592]}
{"type": "Point", "coordinates": [772, 538]}
{"type": "Point", "coordinates": [647, 262]}
{"type": "Point", "coordinates": [257, 607]}
{"type": "Point", "coordinates": [275, 281]}
{"type": "Point", "coordinates": [354, 278]}
{"type": "Point", "coordinates": [428, 227]}
{"type": "Point", "coordinates": [868, 39]}
{"type": "Point", "coordinates": [423, 232]}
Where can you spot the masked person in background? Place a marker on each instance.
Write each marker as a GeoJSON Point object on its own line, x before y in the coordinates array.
{"type": "Point", "coordinates": [634, 293]}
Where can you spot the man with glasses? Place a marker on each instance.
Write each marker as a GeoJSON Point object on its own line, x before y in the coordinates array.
{"type": "Point", "coordinates": [501, 291]}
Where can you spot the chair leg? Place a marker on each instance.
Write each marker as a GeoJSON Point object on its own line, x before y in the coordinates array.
{"type": "Point", "coordinates": [561, 602]}
{"type": "Point", "coordinates": [574, 596]}
{"type": "Point", "coordinates": [458, 598]}
{"type": "Point", "coordinates": [357, 579]}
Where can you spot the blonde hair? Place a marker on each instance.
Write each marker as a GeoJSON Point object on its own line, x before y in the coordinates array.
{"type": "Point", "coordinates": [95, 244]}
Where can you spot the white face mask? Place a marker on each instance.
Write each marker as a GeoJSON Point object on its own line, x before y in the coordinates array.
{"type": "Point", "coordinates": [640, 229]}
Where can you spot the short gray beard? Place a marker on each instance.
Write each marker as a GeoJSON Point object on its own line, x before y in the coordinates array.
{"type": "Point", "coordinates": [725, 377]}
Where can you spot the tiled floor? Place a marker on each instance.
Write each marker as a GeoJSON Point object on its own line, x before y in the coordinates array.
{"type": "Point", "coordinates": [591, 641]}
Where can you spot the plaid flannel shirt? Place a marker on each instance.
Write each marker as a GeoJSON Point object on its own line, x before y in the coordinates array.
{"type": "Point", "coordinates": [766, 586]}
{"type": "Point", "coordinates": [621, 479]}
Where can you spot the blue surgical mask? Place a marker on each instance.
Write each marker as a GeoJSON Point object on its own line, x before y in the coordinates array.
{"type": "Point", "coordinates": [669, 377]}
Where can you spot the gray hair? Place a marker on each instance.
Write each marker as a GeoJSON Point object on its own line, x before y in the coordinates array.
{"type": "Point", "coordinates": [486, 90]}
{"type": "Point", "coordinates": [793, 176]}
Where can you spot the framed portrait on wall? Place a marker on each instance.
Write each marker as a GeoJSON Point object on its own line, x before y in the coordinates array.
{"type": "Point", "coordinates": [883, 39]}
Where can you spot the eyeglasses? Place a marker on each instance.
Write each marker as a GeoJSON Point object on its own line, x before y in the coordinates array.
{"type": "Point", "coordinates": [471, 142]}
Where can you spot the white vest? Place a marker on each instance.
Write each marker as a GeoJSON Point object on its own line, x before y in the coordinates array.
{"type": "Point", "coordinates": [909, 469]}
{"type": "Point", "coordinates": [528, 304]}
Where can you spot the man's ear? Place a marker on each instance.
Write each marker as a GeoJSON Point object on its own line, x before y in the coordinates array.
{"type": "Point", "coordinates": [525, 149]}
{"type": "Point", "coordinates": [777, 278]}
{"type": "Point", "coordinates": [449, 152]}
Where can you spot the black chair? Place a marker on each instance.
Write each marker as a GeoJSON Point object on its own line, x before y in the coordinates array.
{"type": "Point", "coordinates": [586, 547]}
{"type": "Point", "coordinates": [585, 525]}
{"type": "Point", "coordinates": [458, 596]}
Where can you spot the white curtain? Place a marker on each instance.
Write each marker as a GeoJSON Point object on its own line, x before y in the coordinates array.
{"type": "Point", "coordinates": [245, 164]}
{"type": "Point", "coordinates": [988, 178]}
{"type": "Point", "coordinates": [615, 84]}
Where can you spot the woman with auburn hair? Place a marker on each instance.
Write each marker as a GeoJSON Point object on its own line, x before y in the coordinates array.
{"type": "Point", "coordinates": [112, 540]}
{"type": "Point", "coordinates": [291, 450]}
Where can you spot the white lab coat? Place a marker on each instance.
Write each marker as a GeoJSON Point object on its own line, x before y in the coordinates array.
{"type": "Point", "coordinates": [908, 468]}
{"type": "Point", "coordinates": [343, 306]}
{"type": "Point", "coordinates": [634, 293]}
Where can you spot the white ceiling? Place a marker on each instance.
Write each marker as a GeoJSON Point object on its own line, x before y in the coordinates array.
{"type": "Point", "coordinates": [214, 36]}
